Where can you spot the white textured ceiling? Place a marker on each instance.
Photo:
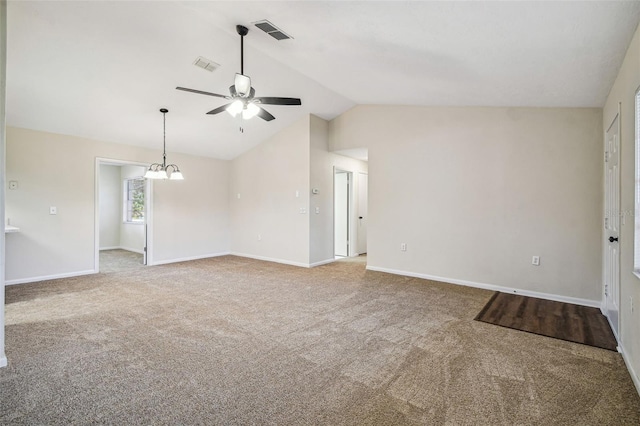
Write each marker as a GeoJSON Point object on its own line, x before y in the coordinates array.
{"type": "Point", "coordinates": [103, 69]}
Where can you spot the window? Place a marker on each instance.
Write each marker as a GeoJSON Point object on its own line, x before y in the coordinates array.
{"type": "Point", "coordinates": [134, 200]}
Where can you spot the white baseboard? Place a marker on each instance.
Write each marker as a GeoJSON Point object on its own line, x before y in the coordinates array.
{"type": "Point", "coordinates": [3, 361]}
{"type": "Point", "coordinates": [547, 296]}
{"type": "Point", "coordinates": [186, 259]}
{"type": "Point", "coordinates": [632, 372]}
{"type": "Point", "coordinates": [271, 259]}
{"type": "Point", "coordinates": [139, 251]}
{"type": "Point", "coordinates": [49, 277]}
{"type": "Point", "coordinates": [322, 262]}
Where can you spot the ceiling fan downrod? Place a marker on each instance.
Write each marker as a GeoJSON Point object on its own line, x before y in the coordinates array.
{"type": "Point", "coordinates": [243, 31]}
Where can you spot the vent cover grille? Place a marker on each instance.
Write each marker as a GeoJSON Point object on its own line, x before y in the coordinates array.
{"type": "Point", "coordinates": [205, 64]}
{"type": "Point", "coordinates": [272, 30]}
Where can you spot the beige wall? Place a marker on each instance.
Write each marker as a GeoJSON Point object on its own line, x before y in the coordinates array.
{"type": "Point", "coordinates": [623, 92]}
{"type": "Point", "coordinates": [190, 217]}
{"type": "Point", "coordinates": [476, 192]}
{"type": "Point", "coordinates": [267, 178]}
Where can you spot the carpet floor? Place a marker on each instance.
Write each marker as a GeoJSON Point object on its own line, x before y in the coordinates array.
{"type": "Point", "coordinates": [235, 341]}
{"type": "Point", "coordinates": [118, 260]}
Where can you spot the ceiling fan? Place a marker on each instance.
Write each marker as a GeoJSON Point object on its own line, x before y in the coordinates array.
{"type": "Point", "coordinates": [242, 95]}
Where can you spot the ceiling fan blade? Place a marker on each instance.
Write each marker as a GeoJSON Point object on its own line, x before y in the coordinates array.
{"type": "Point", "coordinates": [277, 101]}
{"type": "Point", "coordinates": [200, 92]}
{"type": "Point", "coordinates": [264, 114]}
{"type": "Point", "coordinates": [219, 109]}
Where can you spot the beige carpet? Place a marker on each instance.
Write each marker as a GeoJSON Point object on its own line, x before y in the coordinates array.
{"type": "Point", "coordinates": [233, 341]}
{"type": "Point", "coordinates": [118, 260]}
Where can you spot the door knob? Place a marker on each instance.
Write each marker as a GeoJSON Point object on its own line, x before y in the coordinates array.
{"type": "Point", "coordinates": [359, 217]}
{"type": "Point", "coordinates": [612, 239]}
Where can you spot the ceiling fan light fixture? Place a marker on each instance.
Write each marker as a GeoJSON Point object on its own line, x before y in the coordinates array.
{"type": "Point", "coordinates": [250, 111]}
{"type": "Point", "coordinates": [235, 107]}
{"type": "Point", "coordinates": [243, 84]}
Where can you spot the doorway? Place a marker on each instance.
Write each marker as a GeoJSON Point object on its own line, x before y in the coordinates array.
{"type": "Point", "coordinates": [612, 225]}
{"type": "Point", "coordinates": [123, 211]}
{"type": "Point", "coordinates": [350, 212]}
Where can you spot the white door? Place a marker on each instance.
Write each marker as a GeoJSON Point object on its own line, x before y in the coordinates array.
{"type": "Point", "coordinates": [341, 213]}
{"type": "Point", "coordinates": [612, 225]}
{"type": "Point", "coordinates": [363, 188]}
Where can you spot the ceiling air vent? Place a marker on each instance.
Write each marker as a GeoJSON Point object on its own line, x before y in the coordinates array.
{"type": "Point", "coordinates": [272, 30]}
{"type": "Point", "coordinates": [206, 64]}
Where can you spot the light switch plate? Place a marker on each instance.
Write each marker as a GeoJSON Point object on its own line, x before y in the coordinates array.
{"type": "Point", "coordinates": [53, 210]}
{"type": "Point", "coordinates": [13, 184]}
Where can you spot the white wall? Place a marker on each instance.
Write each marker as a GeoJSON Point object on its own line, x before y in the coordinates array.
{"type": "Point", "coordinates": [267, 178]}
{"type": "Point", "coordinates": [623, 92]}
{"type": "Point", "coordinates": [322, 164]}
{"type": "Point", "coordinates": [190, 217]}
{"type": "Point", "coordinates": [131, 234]}
{"type": "Point", "coordinates": [476, 192]}
{"type": "Point", "coordinates": [110, 188]}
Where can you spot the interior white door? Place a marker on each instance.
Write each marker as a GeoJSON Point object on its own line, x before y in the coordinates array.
{"type": "Point", "coordinates": [363, 194]}
{"type": "Point", "coordinates": [612, 225]}
{"type": "Point", "coordinates": [341, 213]}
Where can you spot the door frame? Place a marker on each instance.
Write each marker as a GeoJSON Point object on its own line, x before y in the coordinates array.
{"type": "Point", "coordinates": [605, 307]}
{"type": "Point", "coordinates": [359, 193]}
{"type": "Point", "coordinates": [148, 209]}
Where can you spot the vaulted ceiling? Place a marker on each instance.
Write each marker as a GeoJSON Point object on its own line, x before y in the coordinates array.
{"type": "Point", "coordinates": [102, 69]}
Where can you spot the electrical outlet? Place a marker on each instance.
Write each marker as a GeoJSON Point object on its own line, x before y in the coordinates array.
{"type": "Point", "coordinates": [303, 210]}
{"type": "Point", "coordinates": [259, 237]}
{"type": "Point", "coordinates": [317, 210]}
{"type": "Point", "coordinates": [403, 246]}
{"type": "Point", "coordinates": [535, 260]}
